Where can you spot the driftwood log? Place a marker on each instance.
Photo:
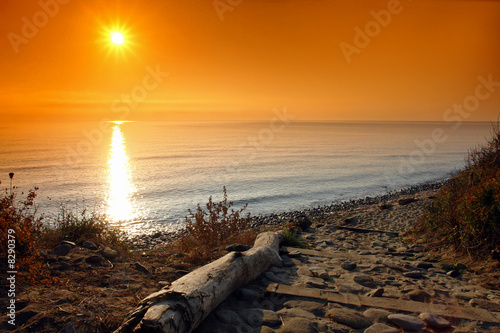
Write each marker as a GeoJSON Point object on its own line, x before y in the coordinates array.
{"type": "Point", "coordinates": [187, 301]}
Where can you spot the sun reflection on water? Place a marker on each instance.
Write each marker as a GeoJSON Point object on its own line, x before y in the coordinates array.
{"type": "Point", "coordinates": [120, 186]}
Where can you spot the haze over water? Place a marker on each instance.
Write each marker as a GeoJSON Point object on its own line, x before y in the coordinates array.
{"type": "Point", "coordinates": [149, 174]}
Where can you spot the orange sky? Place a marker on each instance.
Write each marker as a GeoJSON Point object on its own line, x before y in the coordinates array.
{"type": "Point", "coordinates": [424, 58]}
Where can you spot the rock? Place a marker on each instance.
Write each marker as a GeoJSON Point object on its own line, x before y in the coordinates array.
{"type": "Point", "coordinates": [419, 296]}
{"type": "Point", "coordinates": [482, 303]}
{"type": "Point", "coordinates": [319, 272]}
{"type": "Point", "coordinates": [227, 317]}
{"type": "Point", "coordinates": [315, 308]}
{"type": "Point", "coordinates": [407, 322]}
{"type": "Point", "coordinates": [329, 242]}
{"type": "Point", "coordinates": [381, 328]}
{"type": "Point", "coordinates": [447, 267]}
{"type": "Point", "coordinates": [406, 201]}
{"type": "Point", "coordinates": [260, 317]}
{"type": "Point", "coordinates": [72, 244]}
{"type": "Point", "coordinates": [348, 265]}
{"type": "Point", "coordinates": [365, 280]}
{"type": "Point", "coordinates": [435, 321]}
{"type": "Point", "coordinates": [378, 292]}
{"type": "Point", "coordinates": [425, 265]}
{"type": "Point", "coordinates": [237, 248]}
{"type": "Point", "coordinates": [383, 206]}
{"type": "Point", "coordinates": [246, 294]}
{"type": "Point", "coordinates": [63, 249]}
{"type": "Point", "coordinates": [94, 260]}
{"type": "Point", "coordinates": [274, 278]}
{"type": "Point", "coordinates": [141, 268]}
{"type": "Point", "coordinates": [348, 317]}
{"type": "Point", "coordinates": [298, 325]}
{"type": "Point", "coordinates": [464, 296]}
{"type": "Point", "coordinates": [109, 253]}
{"type": "Point", "coordinates": [89, 245]}
{"type": "Point", "coordinates": [364, 253]}
{"type": "Point", "coordinates": [414, 274]}
{"type": "Point", "coordinates": [289, 313]}
{"type": "Point", "coordinates": [377, 315]}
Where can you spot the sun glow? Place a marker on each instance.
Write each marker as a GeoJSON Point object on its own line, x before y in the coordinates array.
{"type": "Point", "coordinates": [120, 186]}
{"type": "Point", "coordinates": [117, 38]}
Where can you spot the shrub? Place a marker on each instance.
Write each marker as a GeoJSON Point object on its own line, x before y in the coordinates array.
{"type": "Point", "coordinates": [466, 212]}
{"type": "Point", "coordinates": [291, 238]}
{"type": "Point", "coordinates": [18, 220]}
{"type": "Point", "coordinates": [220, 225]}
{"type": "Point", "coordinates": [84, 227]}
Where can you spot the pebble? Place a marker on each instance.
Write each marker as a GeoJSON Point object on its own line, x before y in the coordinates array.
{"type": "Point", "coordinates": [435, 321]}
{"type": "Point", "coordinates": [315, 308]}
{"type": "Point", "coordinates": [94, 260]}
{"type": "Point", "coordinates": [227, 317]}
{"type": "Point", "coordinates": [261, 317]}
{"type": "Point", "coordinates": [414, 274]}
{"type": "Point", "coordinates": [407, 322]}
{"type": "Point", "coordinates": [298, 325]}
{"type": "Point", "coordinates": [365, 280]}
{"type": "Point", "coordinates": [288, 313]}
{"type": "Point", "coordinates": [63, 249]}
{"type": "Point", "coordinates": [381, 328]}
{"type": "Point", "coordinates": [141, 268]}
{"type": "Point", "coordinates": [425, 265]}
{"type": "Point", "coordinates": [348, 317]}
{"type": "Point", "coordinates": [320, 273]}
{"type": "Point", "coordinates": [378, 292]}
{"type": "Point", "coordinates": [89, 245]}
{"type": "Point", "coordinates": [377, 315]}
{"type": "Point", "coordinates": [419, 296]}
{"type": "Point", "coordinates": [109, 253]}
{"type": "Point", "coordinates": [245, 294]}
{"type": "Point", "coordinates": [348, 265]}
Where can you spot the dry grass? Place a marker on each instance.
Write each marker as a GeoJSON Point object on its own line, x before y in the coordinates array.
{"type": "Point", "coordinates": [209, 232]}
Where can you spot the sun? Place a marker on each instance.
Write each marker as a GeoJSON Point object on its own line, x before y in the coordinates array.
{"type": "Point", "coordinates": [117, 38]}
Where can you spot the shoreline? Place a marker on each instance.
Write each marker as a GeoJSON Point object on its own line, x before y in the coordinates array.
{"type": "Point", "coordinates": [150, 241]}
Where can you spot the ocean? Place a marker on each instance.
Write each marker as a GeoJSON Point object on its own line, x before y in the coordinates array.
{"type": "Point", "coordinates": [149, 174]}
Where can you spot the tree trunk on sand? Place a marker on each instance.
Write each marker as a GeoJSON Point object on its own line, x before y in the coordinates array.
{"type": "Point", "coordinates": [183, 306]}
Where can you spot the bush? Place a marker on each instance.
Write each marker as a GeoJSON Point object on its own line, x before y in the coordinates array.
{"type": "Point", "coordinates": [466, 212]}
{"type": "Point", "coordinates": [18, 221]}
{"type": "Point", "coordinates": [292, 239]}
{"type": "Point", "coordinates": [211, 230]}
{"type": "Point", "coordinates": [84, 227]}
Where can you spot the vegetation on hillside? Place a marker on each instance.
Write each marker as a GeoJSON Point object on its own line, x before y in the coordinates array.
{"type": "Point", "coordinates": [23, 233]}
{"type": "Point", "coordinates": [466, 213]}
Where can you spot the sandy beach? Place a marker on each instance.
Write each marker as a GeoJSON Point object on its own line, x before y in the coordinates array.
{"type": "Point", "coordinates": [354, 253]}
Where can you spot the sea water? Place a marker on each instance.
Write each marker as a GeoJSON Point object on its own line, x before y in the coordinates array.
{"type": "Point", "coordinates": [149, 174]}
